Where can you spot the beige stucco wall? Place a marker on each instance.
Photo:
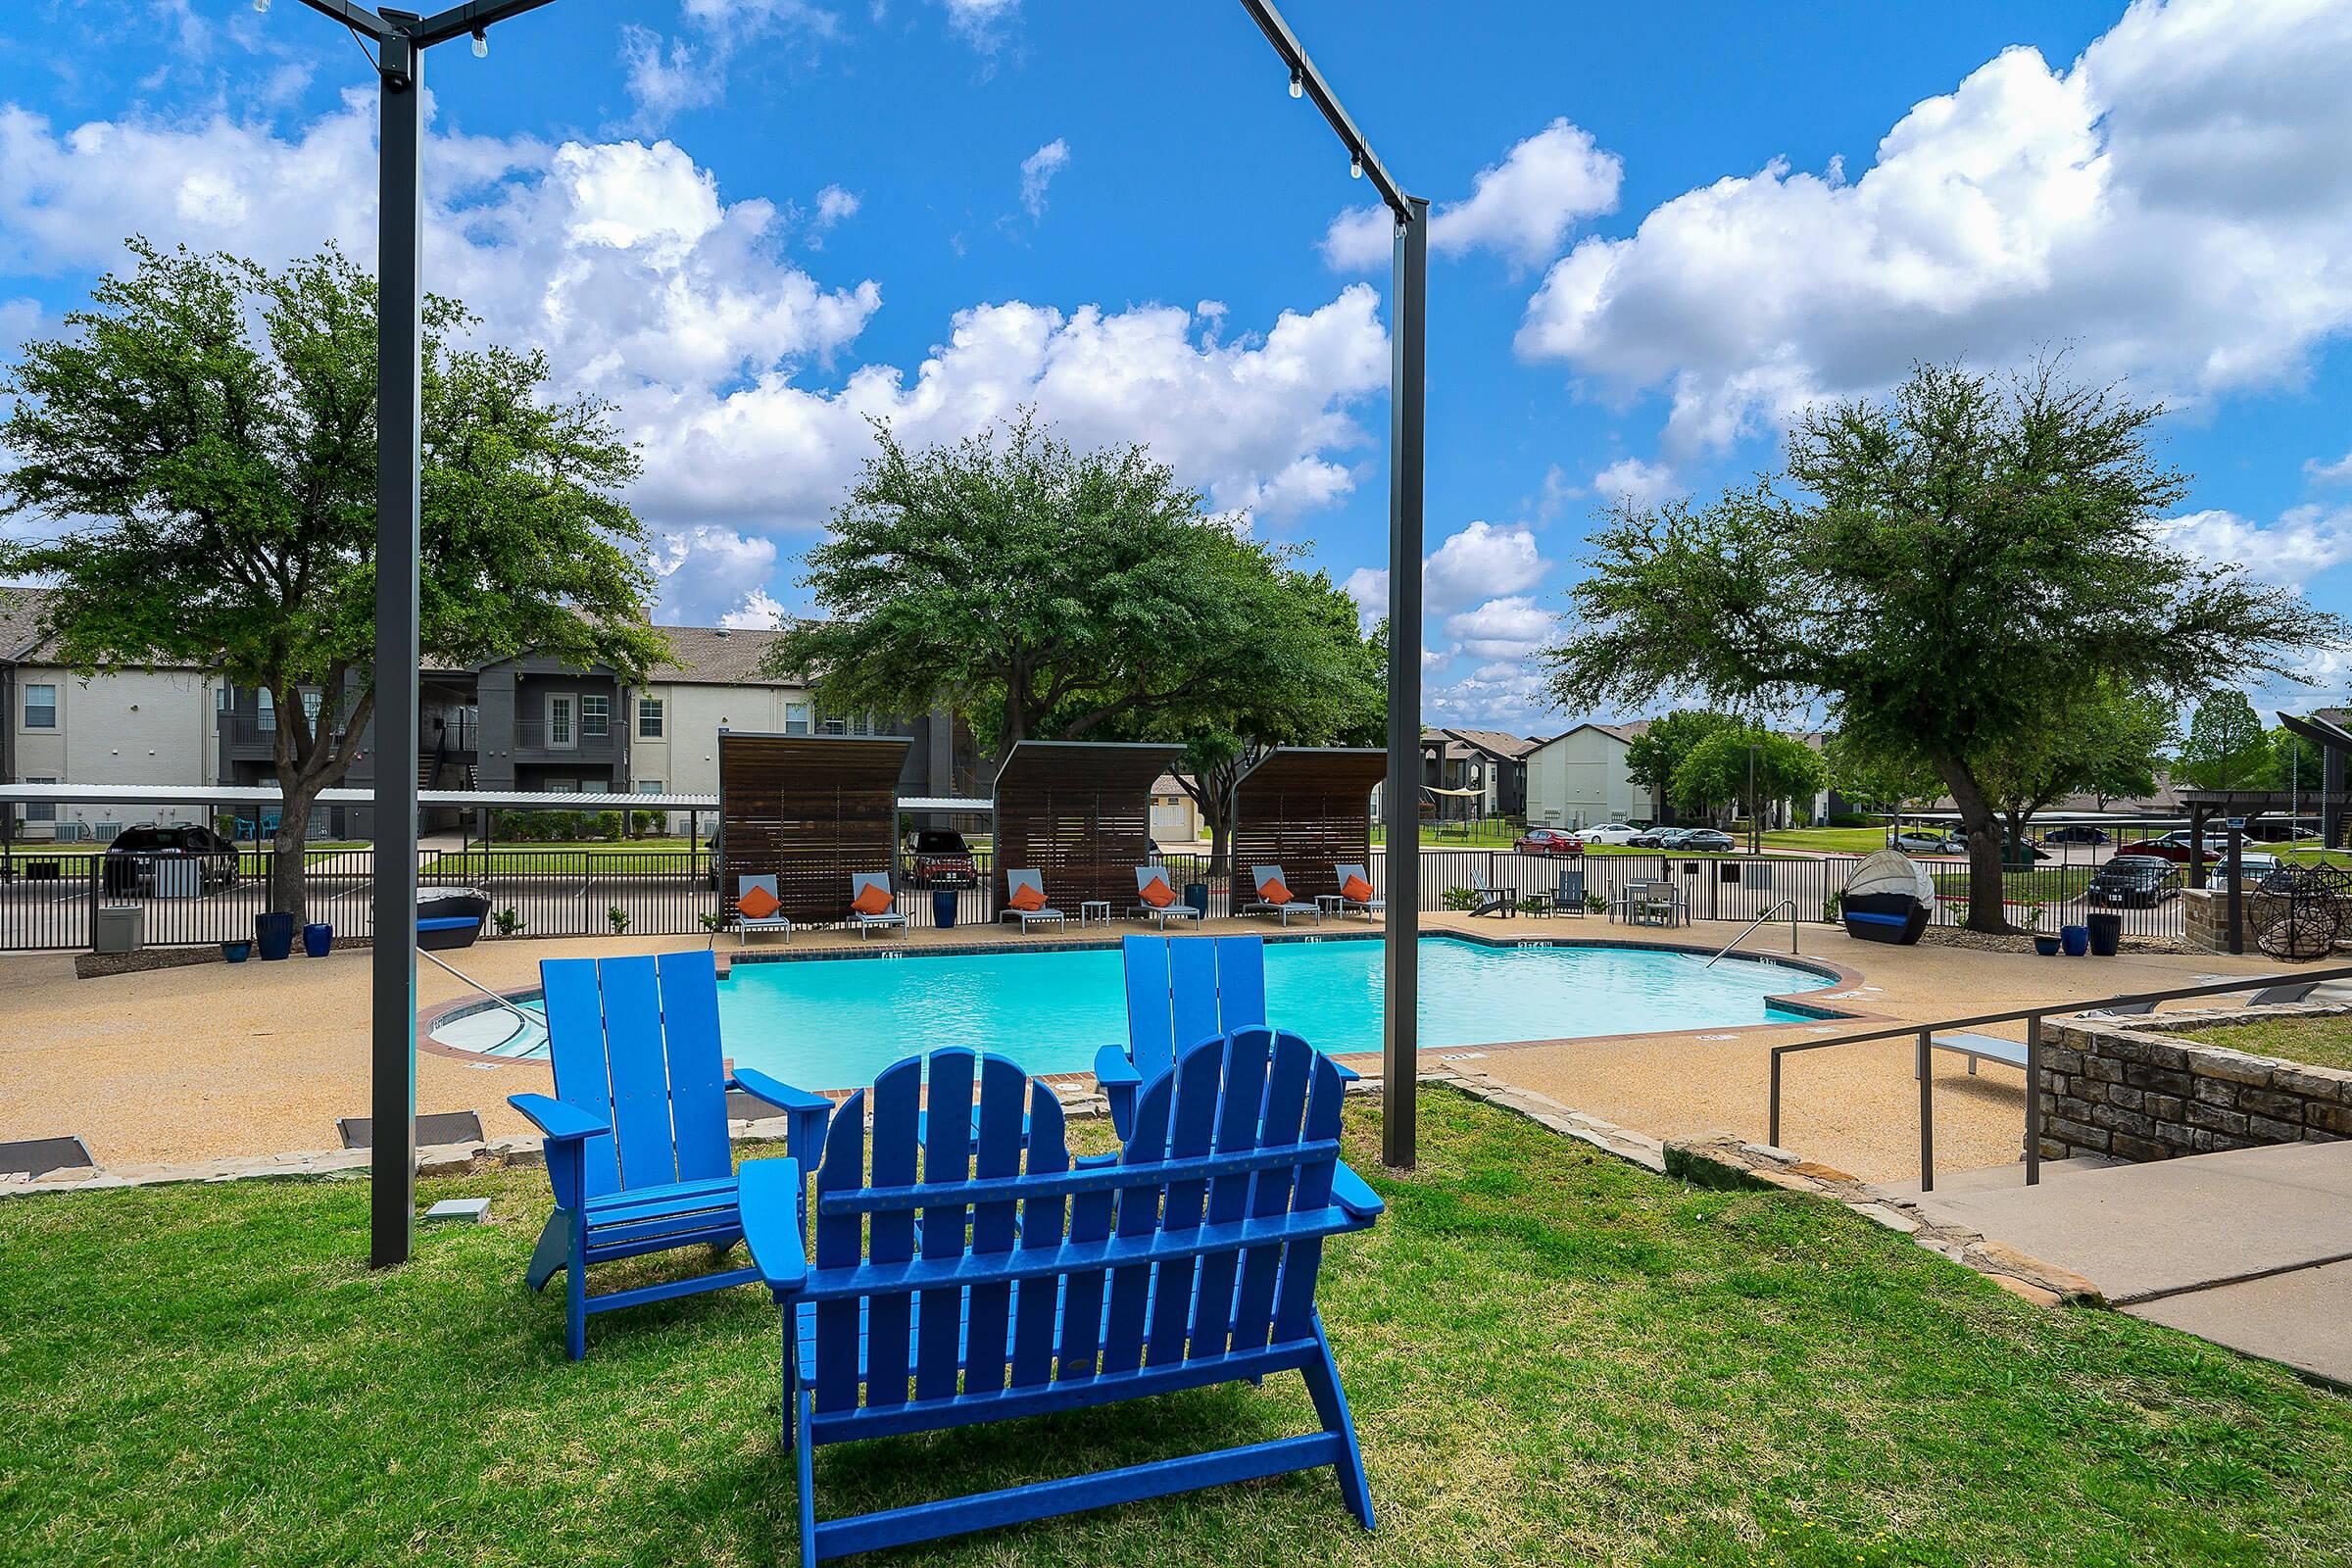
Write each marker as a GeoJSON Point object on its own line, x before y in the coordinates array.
{"type": "Point", "coordinates": [129, 727]}
{"type": "Point", "coordinates": [1580, 779]}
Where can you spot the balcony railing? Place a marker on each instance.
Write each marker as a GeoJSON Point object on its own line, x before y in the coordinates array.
{"type": "Point", "coordinates": [459, 735]}
{"type": "Point", "coordinates": [536, 738]}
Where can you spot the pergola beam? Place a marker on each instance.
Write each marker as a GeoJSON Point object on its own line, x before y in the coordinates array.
{"type": "Point", "coordinates": [1294, 55]}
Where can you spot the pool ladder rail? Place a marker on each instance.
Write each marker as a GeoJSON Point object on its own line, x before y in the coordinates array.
{"type": "Point", "coordinates": [507, 1003]}
{"type": "Point", "coordinates": [1785, 903]}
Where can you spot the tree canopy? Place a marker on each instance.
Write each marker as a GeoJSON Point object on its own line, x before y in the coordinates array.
{"type": "Point", "coordinates": [1653, 757]}
{"type": "Point", "coordinates": [1944, 568]}
{"type": "Point", "coordinates": [1716, 771]}
{"type": "Point", "coordinates": [2225, 747]}
{"type": "Point", "coordinates": [1047, 592]}
{"type": "Point", "coordinates": [204, 441]}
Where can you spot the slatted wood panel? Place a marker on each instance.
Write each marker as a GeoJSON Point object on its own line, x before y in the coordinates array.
{"type": "Point", "coordinates": [1080, 813]}
{"type": "Point", "coordinates": [1307, 809]}
{"type": "Point", "coordinates": [808, 811]}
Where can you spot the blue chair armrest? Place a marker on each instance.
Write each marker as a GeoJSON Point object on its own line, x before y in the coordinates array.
{"type": "Point", "coordinates": [1355, 1195]}
{"type": "Point", "coordinates": [1112, 1066]}
{"type": "Point", "coordinates": [1347, 1074]}
{"type": "Point", "coordinates": [558, 1120]}
{"type": "Point", "coordinates": [1094, 1162]}
{"type": "Point", "coordinates": [769, 1193]}
{"type": "Point", "coordinates": [782, 1095]}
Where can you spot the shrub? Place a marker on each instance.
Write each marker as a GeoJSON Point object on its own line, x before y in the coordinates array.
{"type": "Point", "coordinates": [509, 921]}
{"type": "Point", "coordinates": [1461, 898]}
{"type": "Point", "coordinates": [1848, 819]}
{"type": "Point", "coordinates": [620, 918]}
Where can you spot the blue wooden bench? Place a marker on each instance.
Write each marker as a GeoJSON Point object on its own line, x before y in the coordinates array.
{"type": "Point", "coordinates": [1187, 1259]}
{"type": "Point", "coordinates": [637, 1147]}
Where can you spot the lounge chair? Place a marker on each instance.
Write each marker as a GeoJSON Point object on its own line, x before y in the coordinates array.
{"type": "Point", "coordinates": [1025, 900]}
{"type": "Point", "coordinates": [1156, 901]}
{"type": "Point", "coordinates": [1493, 899]}
{"type": "Point", "coordinates": [871, 906]}
{"type": "Point", "coordinates": [637, 1130]}
{"type": "Point", "coordinates": [1215, 1215]}
{"type": "Point", "coordinates": [1275, 897]}
{"type": "Point", "coordinates": [1568, 895]}
{"type": "Point", "coordinates": [758, 893]}
{"type": "Point", "coordinates": [1355, 892]}
{"type": "Point", "coordinates": [1180, 990]}
{"type": "Point", "coordinates": [1990, 1048]}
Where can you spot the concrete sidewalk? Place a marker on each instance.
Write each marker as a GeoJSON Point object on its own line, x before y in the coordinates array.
{"type": "Point", "coordinates": [2250, 1248]}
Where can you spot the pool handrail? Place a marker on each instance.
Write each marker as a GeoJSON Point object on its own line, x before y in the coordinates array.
{"type": "Point", "coordinates": [2032, 1017]}
{"type": "Point", "coordinates": [507, 1003]}
{"type": "Point", "coordinates": [1786, 904]}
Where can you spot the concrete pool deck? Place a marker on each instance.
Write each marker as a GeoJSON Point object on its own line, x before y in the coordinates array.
{"type": "Point", "coordinates": [214, 1061]}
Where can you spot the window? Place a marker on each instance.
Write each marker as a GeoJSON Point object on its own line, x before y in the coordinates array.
{"type": "Point", "coordinates": [833, 726]}
{"type": "Point", "coordinates": [40, 710]}
{"type": "Point", "coordinates": [265, 711]}
{"type": "Point", "coordinates": [40, 811]}
{"type": "Point", "coordinates": [595, 786]}
{"type": "Point", "coordinates": [795, 718]}
{"type": "Point", "coordinates": [312, 702]}
{"type": "Point", "coordinates": [649, 717]}
{"type": "Point", "coordinates": [649, 786]}
{"type": "Point", "coordinates": [596, 717]}
{"type": "Point", "coordinates": [559, 719]}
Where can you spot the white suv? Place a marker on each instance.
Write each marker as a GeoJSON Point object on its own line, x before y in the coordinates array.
{"type": "Point", "coordinates": [1609, 833]}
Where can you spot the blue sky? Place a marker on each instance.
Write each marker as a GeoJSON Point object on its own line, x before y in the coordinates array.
{"type": "Point", "coordinates": [1661, 231]}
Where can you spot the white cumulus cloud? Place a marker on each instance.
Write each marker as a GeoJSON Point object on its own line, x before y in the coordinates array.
{"type": "Point", "coordinates": [1038, 170]}
{"type": "Point", "coordinates": [1512, 627]}
{"type": "Point", "coordinates": [2305, 541]}
{"type": "Point", "coordinates": [1481, 562]}
{"type": "Point", "coordinates": [2337, 472]}
{"type": "Point", "coordinates": [2176, 206]}
{"type": "Point", "coordinates": [1631, 482]}
{"type": "Point", "coordinates": [1522, 207]}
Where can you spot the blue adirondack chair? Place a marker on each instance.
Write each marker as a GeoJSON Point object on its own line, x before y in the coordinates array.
{"type": "Point", "coordinates": [637, 1132]}
{"type": "Point", "coordinates": [1180, 990]}
{"type": "Point", "coordinates": [1186, 1260]}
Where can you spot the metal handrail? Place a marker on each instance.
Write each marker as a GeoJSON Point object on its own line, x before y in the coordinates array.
{"type": "Point", "coordinates": [1925, 1034]}
{"type": "Point", "coordinates": [1786, 904]}
{"type": "Point", "coordinates": [524, 1014]}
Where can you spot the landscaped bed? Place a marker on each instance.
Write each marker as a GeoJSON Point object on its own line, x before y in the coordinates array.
{"type": "Point", "coordinates": [1552, 1357]}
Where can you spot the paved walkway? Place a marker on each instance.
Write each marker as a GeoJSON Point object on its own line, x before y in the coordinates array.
{"type": "Point", "coordinates": [2250, 1248]}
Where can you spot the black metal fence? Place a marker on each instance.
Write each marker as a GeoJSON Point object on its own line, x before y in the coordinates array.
{"type": "Point", "coordinates": [48, 897]}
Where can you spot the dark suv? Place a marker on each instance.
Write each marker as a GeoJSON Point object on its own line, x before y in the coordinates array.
{"type": "Point", "coordinates": [940, 858]}
{"type": "Point", "coordinates": [2134, 879]}
{"type": "Point", "coordinates": [132, 858]}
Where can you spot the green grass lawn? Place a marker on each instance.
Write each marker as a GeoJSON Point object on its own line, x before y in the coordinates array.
{"type": "Point", "coordinates": [2317, 1042]}
{"type": "Point", "coordinates": [1553, 1357]}
{"type": "Point", "coordinates": [1843, 840]}
{"type": "Point", "coordinates": [2046, 884]}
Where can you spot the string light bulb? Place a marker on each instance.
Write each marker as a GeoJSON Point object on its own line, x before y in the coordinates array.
{"type": "Point", "coordinates": [1355, 165]}
{"type": "Point", "coordinates": [261, 5]}
{"type": "Point", "coordinates": [1297, 83]}
{"type": "Point", "coordinates": [481, 44]}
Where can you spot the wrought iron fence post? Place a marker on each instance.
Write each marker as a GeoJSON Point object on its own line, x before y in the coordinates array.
{"type": "Point", "coordinates": [1927, 1114]}
{"type": "Point", "coordinates": [2033, 1100]}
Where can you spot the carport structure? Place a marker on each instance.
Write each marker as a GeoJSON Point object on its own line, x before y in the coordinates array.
{"type": "Point", "coordinates": [1308, 809]}
{"type": "Point", "coordinates": [809, 810]}
{"type": "Point", "coordinates": [1079, 813]}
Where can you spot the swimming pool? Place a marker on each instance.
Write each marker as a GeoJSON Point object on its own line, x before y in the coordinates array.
{"type": "Point", "coordinates": [833, 1023]}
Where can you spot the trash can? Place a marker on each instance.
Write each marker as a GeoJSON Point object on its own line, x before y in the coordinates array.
{"type": "Point", "coordinates": [2106, 932]}
{"type": "Point", "coordinates": [943, 908]}
{"type": "Point", "coordinates": [273, 934]}
{"type": "Point", "coordinates": [122, 929]}
{"type": "Point", "coordinates": [1196, 894]}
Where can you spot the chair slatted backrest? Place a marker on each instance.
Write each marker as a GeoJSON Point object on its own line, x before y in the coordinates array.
{"type": "Point", "coordinates": [744, 884]}
{"type": "Point", "coordinates": [859, 881]}
{"type": "Point", "coordinates": [1030, 1271]}
{"type": "Point", "coordinates": [1184, 988]}
{"type": "Point", "coordinates": [1014, 881]}
{"type": "Point", "coordinates": [636, 1045]}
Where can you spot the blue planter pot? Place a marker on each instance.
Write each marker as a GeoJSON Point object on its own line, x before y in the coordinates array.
{"type": "Point", "coordinates": [2075, 938]}
{"type": "Point", "coordinates": [317, 938]}
{"type": "Point", "coordinates": [273, 934]}
{"type": "Point", "coordinates": [2048, 947]}
{"type": "Point", "coordinates": [943, 908]}
{"type": "Point", "coordinates": [236, 952]}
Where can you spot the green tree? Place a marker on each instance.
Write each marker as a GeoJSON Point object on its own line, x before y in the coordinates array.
{"type": "Point", "coordinates": [1942, 568]}
{"type": "Point", "coordinates": [1043, 592]}
{"type": "Point", "coordinates": [1653, 757]}
{"type": "Point", "coordinates": [1718, 769]}
{"type": "Point", "coordinates": [204, 442]}
{"type": "Point", "coordinates": [1876, 781]}
{"type": "Point", "coordinates": [2225, 747]}
{"type": "Point", "coordinates": [2297, 765]}
{"type": "Point", "coordinates": [2105, 743]}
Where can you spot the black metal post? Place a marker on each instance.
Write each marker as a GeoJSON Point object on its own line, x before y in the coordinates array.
{"type": "Point", "coordinates": [1926, 1112]}
{"type": "Point", "coordinates": [1401, 1034]}
{"type": "Point", "coordinates": [2235, 868]}
{"type": "Point", "coordinates": [2034, 1101]}
{"type": "Point", "coordinates": [399, 398]}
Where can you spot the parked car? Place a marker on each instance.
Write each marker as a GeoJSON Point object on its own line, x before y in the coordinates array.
{"type": "Point", "coordinates": [1919, 841]}
{"type": "Point", "coordinates": [2076, 833]}
{"type": "Point", "coordinates": [1656, 838]}
{"type": "Point", "coordinates": [1703, 841]}
{"type": "Point", "coordinates": [1548, 841]}
{"type": "Point", "coordinates": [2252, 863]}
{"type": "Point", "coordinates": [1611, 833]}
{"type": "Point", "coordinates": [2134, 879]}
{"type": "Point", "coordinates": [940, 858]}
{"type": "Point", "coordinates": [2174, 846]}
{"type": "Point", "coordinates": [131, 859]}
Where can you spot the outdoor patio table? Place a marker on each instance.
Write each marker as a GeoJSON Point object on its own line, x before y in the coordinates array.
{"type": "Point", "coordinates": [1332, 902]}
{"type": "Point", "coordinates": [1092, 909]}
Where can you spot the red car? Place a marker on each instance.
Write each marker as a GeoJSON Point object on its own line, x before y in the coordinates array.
{"type": "Point", "coordinates": [2176, 847]}
{"type": "Point", "coordinates": [940, 858]}
{"type": "Point", "coordinates": [1548, 841]}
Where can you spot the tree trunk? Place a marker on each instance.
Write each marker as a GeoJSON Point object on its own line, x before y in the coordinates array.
{"type": "Point", "coordinates": [289, 890]}
{"type": "Point", "coordinates": [1987, 910]}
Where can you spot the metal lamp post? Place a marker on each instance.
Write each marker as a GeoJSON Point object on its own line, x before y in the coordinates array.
{"type": "Point", "coordinates": [401, 39]}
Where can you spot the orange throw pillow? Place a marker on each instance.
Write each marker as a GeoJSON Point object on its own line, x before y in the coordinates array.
{"type": "Point", "coordinates": [1157, 894]}
{"type": "Point", "coordinates": [1357, 889]}
{"type": "Point", "coordinates": [758, 903]}
{"type": "Point", "coordinates": [1028, 898]}
{"type": "Point", "coordinates": [872, 898]}
{"type": "Point", "coordinates": [1273, 891]}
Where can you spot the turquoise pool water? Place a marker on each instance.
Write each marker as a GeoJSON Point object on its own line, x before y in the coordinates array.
{"type": "Point", "coordinates": [834, 1023]}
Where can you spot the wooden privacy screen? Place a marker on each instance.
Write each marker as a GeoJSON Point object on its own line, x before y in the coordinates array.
{"type": "Point", "coordinates": [1306, 808]}
{"type": "Point", "coordinates": [1080, 813]}
{"type": "Point", "coordinates": [808, 811]}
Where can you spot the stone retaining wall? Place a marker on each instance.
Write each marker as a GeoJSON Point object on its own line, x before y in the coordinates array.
{"type": "Point", "coordinates": [2129, 1093]}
